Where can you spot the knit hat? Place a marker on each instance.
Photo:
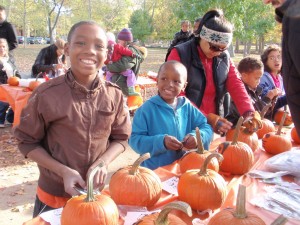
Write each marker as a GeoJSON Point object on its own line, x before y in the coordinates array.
{"type": "Point", "coordinates": [125, 35]}
{"type": "Point", "coordinates": [60, 43]}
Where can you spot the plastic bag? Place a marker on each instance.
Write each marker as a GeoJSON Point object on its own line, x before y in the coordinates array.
{"type": "Point", "coordinates": [286, 161]}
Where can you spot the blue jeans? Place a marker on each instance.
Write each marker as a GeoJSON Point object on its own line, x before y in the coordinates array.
{"type": "Point", "coordinates": [9, 116]}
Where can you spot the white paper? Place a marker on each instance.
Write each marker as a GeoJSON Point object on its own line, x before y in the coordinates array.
{"type": "Point", "coordinates": [25, 82]}
{"type": "Point", "coordinates": [266, 175]}
{"type": "Point", "coordinates": [170, 185]}
{"type": "Point", "coordinates": [52, 216]}
{"type": "Point", "coordinates": [133, 217]}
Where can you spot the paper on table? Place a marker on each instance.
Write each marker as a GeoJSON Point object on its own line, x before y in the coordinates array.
{"type": "Point", "coordinates": [25, 82]}
{"type": "Point", "coordinates": [170, 185]}
{"type": "Point", "coordinates": [52, 216]}
{"type": "Point", "coordinates": [133, 217]}
{"type": "Point", "coordinates": [266, 175]}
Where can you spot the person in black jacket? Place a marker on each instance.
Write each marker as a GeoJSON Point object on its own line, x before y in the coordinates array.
{"type": "Point", "coordinates": [288, 13]}
{"type": "Point", "coordinates": [51, 60]}
{"type": "Point", "coordinates": [8, 32]}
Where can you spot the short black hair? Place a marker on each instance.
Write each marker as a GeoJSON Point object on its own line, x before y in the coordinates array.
{"type": "Point", "coordinates": [249, 64]}
{"type": "Point", "coordinates": [2, 8]}
{"type": "Point", "coordinates": [76, 25]}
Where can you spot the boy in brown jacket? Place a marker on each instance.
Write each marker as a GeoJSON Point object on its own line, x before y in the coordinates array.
{"type": "Point", "coordinates": [74, 122]}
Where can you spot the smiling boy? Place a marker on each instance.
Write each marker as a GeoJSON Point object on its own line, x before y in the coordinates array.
{"type": "Point", "coordinates": [74, 122]}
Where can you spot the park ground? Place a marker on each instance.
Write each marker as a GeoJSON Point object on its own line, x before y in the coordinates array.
{"type": "Point", "coordinates": [18, 176]}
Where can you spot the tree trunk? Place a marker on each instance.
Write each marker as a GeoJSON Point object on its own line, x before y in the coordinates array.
{"type": "Point", "coordinates": [237, 45]}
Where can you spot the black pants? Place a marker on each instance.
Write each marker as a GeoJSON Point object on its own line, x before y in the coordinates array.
{"type": "Point", "coordinates": [40, 207]}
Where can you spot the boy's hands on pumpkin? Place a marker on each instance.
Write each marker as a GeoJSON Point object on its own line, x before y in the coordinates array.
{"type": "Point", "coordinates": [172, 143]}
{"type": "Point", "coordinates": [72, 178]}
{"type": "Point", "coordinates": [189, 141]}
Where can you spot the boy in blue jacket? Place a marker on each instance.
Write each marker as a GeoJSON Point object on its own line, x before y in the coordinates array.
{"type": "Point", "coordinates": [165, 125]}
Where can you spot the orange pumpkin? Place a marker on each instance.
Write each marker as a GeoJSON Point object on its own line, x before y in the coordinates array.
{"type": "Point", "coordinates": [195, 159]}
{"type": "Point", "coordinates": [135, 185]}
{"type": "Point", "coordinates": [295, 136]}
{"type": "Point", "coordinates": [239, 216]}
{"type": "Point", "coordinates": [13, 81]}
{"type": "Point", "coordinates": [35, 83]}
{"type": "Point", "coordinates": [164, 218]}
{"type": "Point", "coordinates": [267, 126]}
{"type": "Point", "coordinates": [238, 156]}
{"type": "Point", "coordinates": [278, 116]}
{"type": "Point", "coordinates": [251, 139]}
{"type": "Point", "coordinates": [275, 143]}
{"type": "Point", "coordinates": [90, 209]}
{"type": "Point", "coordinates": [202, 189]}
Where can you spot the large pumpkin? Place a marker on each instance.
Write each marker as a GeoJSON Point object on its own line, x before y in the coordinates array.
{"type": "Point", "coordinates": [239, 216]}
{"type": "Point", "coordinates": [238, 156]}
{"type": "Point", "coordinates": [295, 136]}
{"type": "Point", "coordinates": [164, 218]}
{"type": "Point", "coordinates": [13, 81]}
{"type": "Point", "coordinates": [278, 116]}
{"type": "Point", "coordinates": [275, 143]}
{"type": "Point", "coordinates": [195, 159]}
{"type": "Point", "coordinates": [135, 185]}
{"type": "Point", "coordinates": [202, 189]}
{"type": "Point", "coordinates": [90, 209]}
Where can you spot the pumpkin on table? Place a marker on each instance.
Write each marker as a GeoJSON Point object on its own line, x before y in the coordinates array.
{"type": "Point", "coordinates": [135, 185]}
{"type": "Point", "coordinates": [246, 134]}
{"type": "Point", "coordinates": [295, 136]}
{"type": "Point", "coordinates": [13, 81]}
{"type": "Point", "coordinates": [267, 125]}
{"type": "Point", "coordinates": [278, 117]}
{"type": "Point", "coordinates": [239, 216]}
{"type": "Point", "coordinates": [238, 156]}
{"type": "Point", "coordinates": [202, 189]}
{"type": "Point", "coordinates": [35, 83]}
{"type": "Point", "coordinates": [90, 209]}
{"type": "Point", "coordinates": [195, 159]}
{"type": "Point", "coordinates": [275, 143]}
{"type": "Point", "coordinates": [164, 217]}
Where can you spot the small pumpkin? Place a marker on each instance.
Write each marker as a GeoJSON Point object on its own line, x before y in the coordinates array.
{"type": "Point", "coordinates": [195, 159]}
{"type": "Point", "coordinates": [90, 209]}
{"type": "Point", "coordinates": [275, 143]}
{"type": "Point", "coordinates": [245, 136]}
{"type": "Point", "coordinates": [267, 125]}
{"type": "Point", "coordinates": [13, 81]}
{"type": "Point", "coordinates": [164, 217]}
{"type": "Point", "coordinates": [278, 116]}
{"type": "Point", "coordinates": [35, 83]}
{"type": "Point", "coordinates": [239, 216]}
{"type": "Point", "coordinates": [202, 189]}
{"type": "Point", "coordinates": [238, 156]}
{"type": "Point", "coordinates": [135, 185]}
{"type": "Point", "coordinates": [295, 136]}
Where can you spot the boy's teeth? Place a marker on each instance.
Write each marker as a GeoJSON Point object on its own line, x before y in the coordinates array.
{"type": "Point", "coordinates": [87, 61]}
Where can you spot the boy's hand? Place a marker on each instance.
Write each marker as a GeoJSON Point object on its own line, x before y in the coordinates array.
{"type": "Point", "coordinates": [99, 178]}
{"type": "Point", "coordinates": [172, 143]}
{"type": "Point", "coordinates": [71, 179]}
{"type": "Point", "coordinates": [189, 142]}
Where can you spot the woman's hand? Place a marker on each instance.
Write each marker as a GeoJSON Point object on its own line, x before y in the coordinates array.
{"type": "Point", "coordinates": [223, 126]}
{"type": "Point", "coordinates": [172, 143]}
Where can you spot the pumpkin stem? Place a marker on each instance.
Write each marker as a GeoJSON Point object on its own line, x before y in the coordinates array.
{"type": "Point", "coordinates": [240, 211]}
{"type": "Point", "coordinates": [138, 162]}
{"type": "Point", "coordinates": [90, 185]}
{"type": "Point", "coordinates": [264, 110]}
{"type": "Point", "coordinates": [237, 130]}
{"type": "Point", "coordinates": [281, 123]}
{"type": "Point", "coordinates": [200, 148]}
{"type": "Point", "coordinates": [203, 170]}
{"type": "Point", "coordinates": [162, 218]}
{"type": "Point", "coordinates": [281, 220]}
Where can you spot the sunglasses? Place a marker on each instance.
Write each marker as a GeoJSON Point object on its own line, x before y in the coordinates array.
{"type": "Point", "coordinates": [216, 48]}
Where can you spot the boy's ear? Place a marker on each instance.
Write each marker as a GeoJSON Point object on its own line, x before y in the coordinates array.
{"type": "Point", "coordinates": [66, 49]}
{"type": "Point", "coordinates": [184, 86]}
